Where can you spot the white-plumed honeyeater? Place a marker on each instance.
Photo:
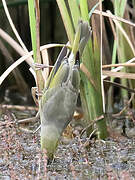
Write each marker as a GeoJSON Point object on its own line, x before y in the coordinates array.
{"type": "Point", "coordinates": [59, 98]}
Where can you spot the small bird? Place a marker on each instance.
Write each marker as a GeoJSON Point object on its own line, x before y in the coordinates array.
{"type": "Point", "coordinates": [60, 95]}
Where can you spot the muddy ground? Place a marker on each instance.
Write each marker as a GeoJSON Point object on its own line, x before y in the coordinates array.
{"type": "Point", "coordinates": [77, 158]}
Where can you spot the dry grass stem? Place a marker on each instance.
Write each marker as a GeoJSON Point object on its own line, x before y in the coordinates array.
{"type": "Point", "coordinates": [22, 59]}
{"type": "Point", "coordinates": [101, 52]}
{"type": "Point", "coordinates": [45, 59]}
{"type": "Point", "coordinates": [114, 17]}
{"type": "Point", "coordinates": [87, 73]}
{"type": "Point", "coordinates": [13, 26]}
{"type": "Point", "coordinates": [125, 108]}
{"type": "Point", "coordinates": [91, 124]}
{"type": "Point", "coordinates": [120, 86]}
{"type": "Point", "coordinates": [122, 75]}
{"type": "Point", "coordinates": [37, 59]}
{"type": "Point", "coordinates": [113, 28]}
{"type": "Point", "coordinates": [118, 65]}
{"type": "Point", "coordinates": [20, 108]}
{"type": "Point", "coordinates": [119, 68]}
{"type": "Point", "coordinates": [15, 46]}
{"type": "Point", "coordinates": [124, 33]}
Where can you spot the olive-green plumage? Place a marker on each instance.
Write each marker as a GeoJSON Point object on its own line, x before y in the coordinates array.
{"type": "Point", "coordinates": [57, 112]}
{"type": "Point", "coordinates": [59, 99]}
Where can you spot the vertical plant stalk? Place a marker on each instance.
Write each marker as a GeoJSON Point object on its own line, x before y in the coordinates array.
{"type": "Point", "coordinates": [91, 97]}
{"type": "Point", "coordinates": [75, 12]}
{"type": "Point", "coordinates": [66, 20]}
{"type": "Point", "coordinates": [101, 51]}
{"type": "Point", "coordinates": [119, 7]}
{"type": "Point", "coordinates": [114, 54]}
{"type": "Point", "coordinates": [35, 31]}
{"type": "Point", "coordinates": [32, 18]}
{"type": "Point", "coordinates": [40, 80]}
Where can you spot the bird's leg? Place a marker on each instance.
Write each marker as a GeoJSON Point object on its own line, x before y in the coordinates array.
{"type": "Point", "coordinates": [35, 93]}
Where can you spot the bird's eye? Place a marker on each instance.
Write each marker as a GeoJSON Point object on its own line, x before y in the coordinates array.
{"type": "Point", "coordinates": [77, 59]}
